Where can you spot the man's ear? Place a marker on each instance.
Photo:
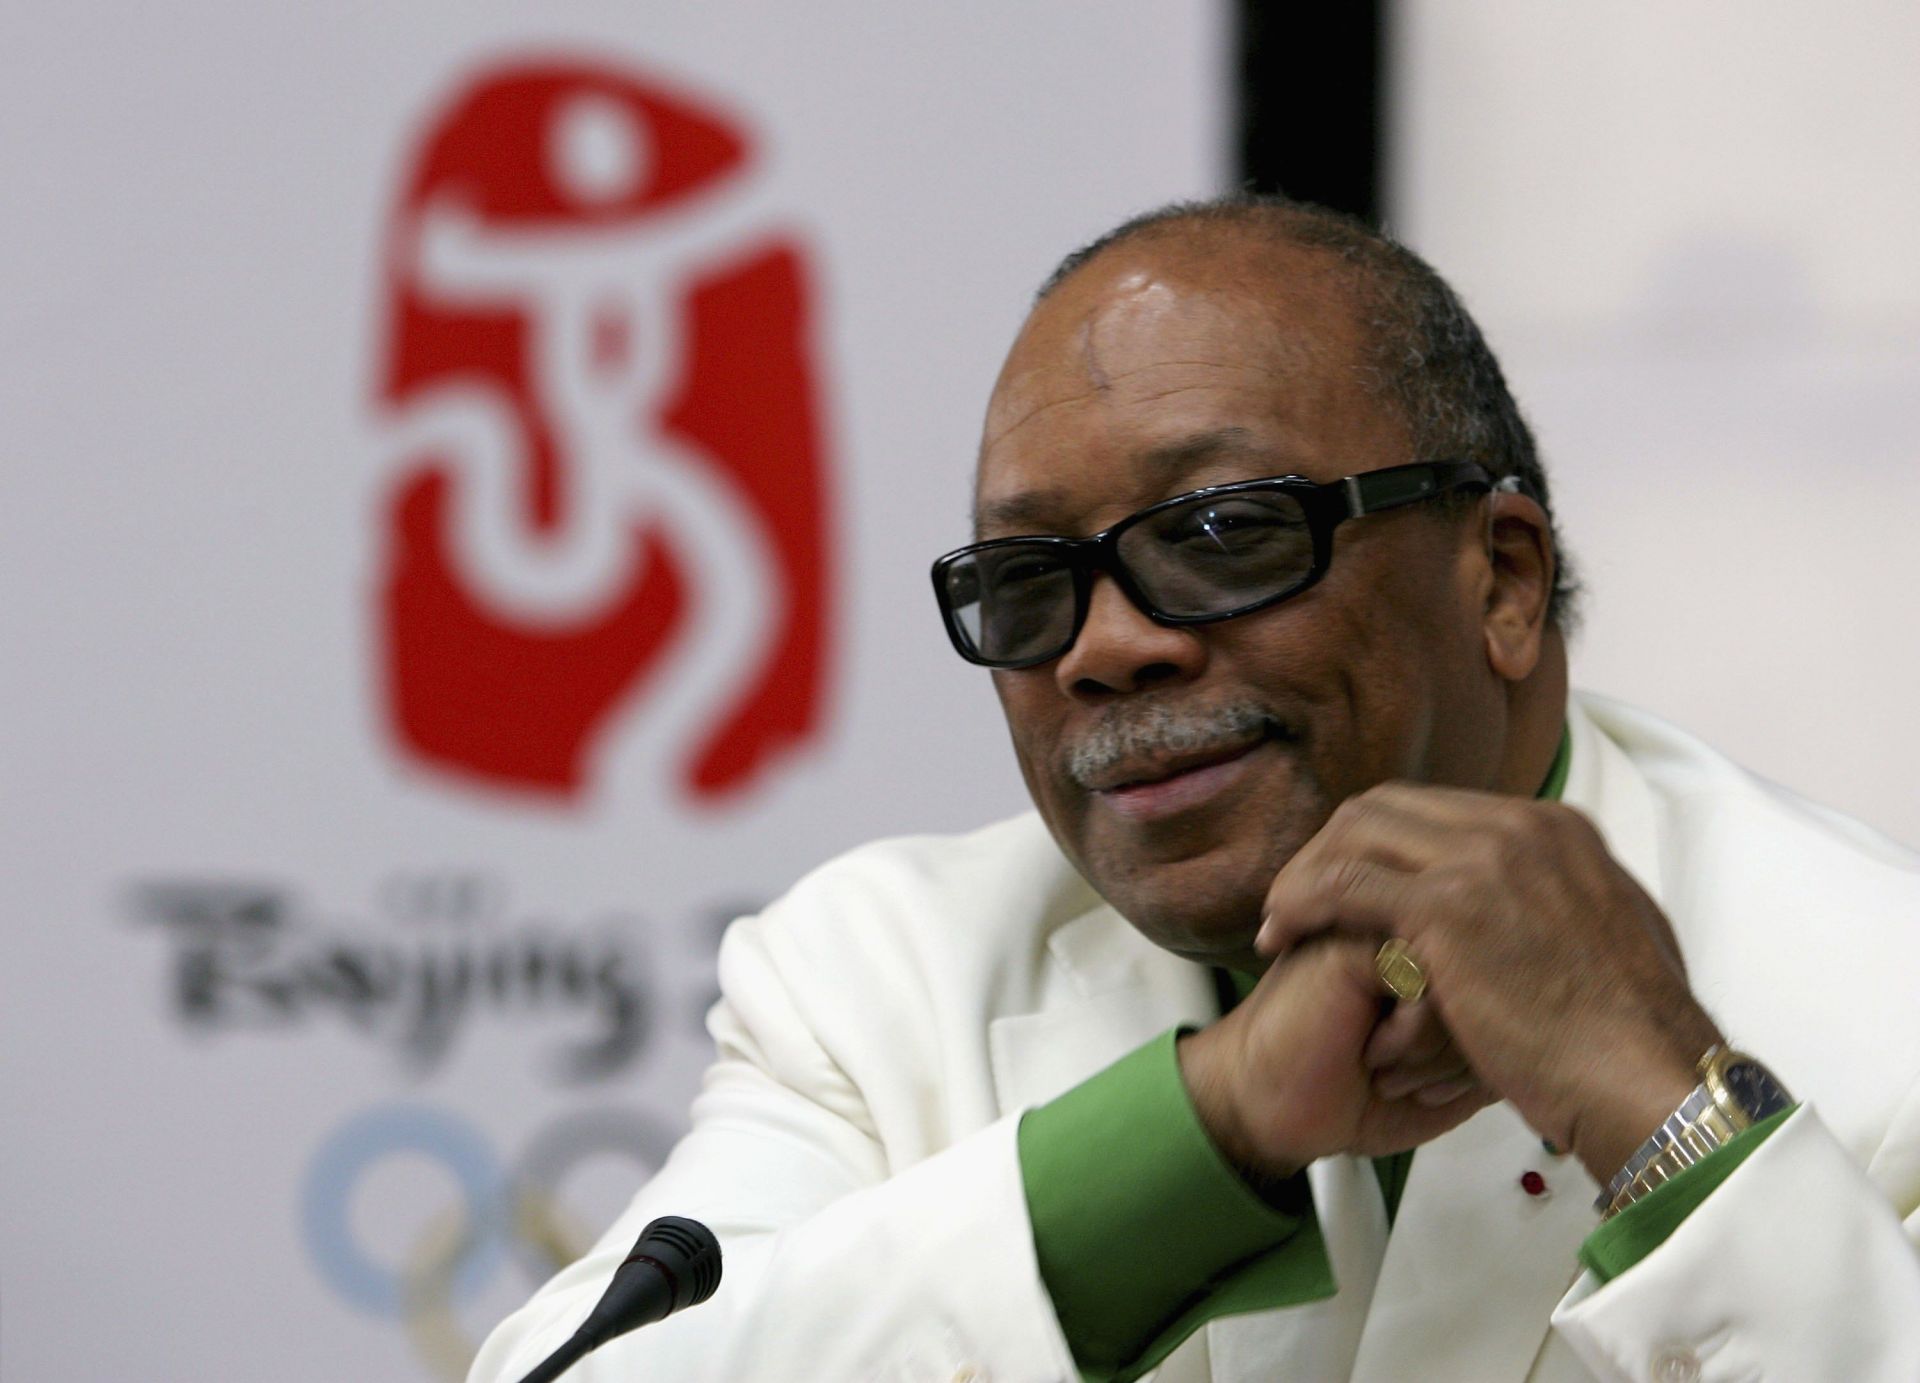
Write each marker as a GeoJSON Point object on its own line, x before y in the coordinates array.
{"type": "Point", "coordinates": [1521, 566]}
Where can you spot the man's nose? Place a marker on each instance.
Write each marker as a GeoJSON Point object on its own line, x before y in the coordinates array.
{"type": "Point", "coordinates": [1120, 650]}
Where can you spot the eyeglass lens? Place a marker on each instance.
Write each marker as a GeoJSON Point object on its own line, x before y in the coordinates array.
{"type": "Point", "coordinates": [1016, 601]}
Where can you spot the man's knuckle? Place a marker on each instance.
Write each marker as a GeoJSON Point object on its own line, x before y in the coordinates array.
{"type": "Point", "coordinates": [1347, 878]}
{"type": "Point", "coordinates": [1355, 812]}
{"type": "Point", "coordinates": [1522, 830]}
{"type": "Point", "coordinates": [1457, 892]}
{"type": "Point", "coordinates": [1492, 845]}
{"type": "Point", "coordinates": [1521, 819]}
{"type": "Point", "coordinates": [1575, 826]}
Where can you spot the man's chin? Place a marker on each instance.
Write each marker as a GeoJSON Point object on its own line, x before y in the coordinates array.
{"type": "Point", "coordinates": [1192, 910]}
{"type": "Point", "coordinates": [1197, 893]}
{"type": "Point", "coordinates": [1226, 942]}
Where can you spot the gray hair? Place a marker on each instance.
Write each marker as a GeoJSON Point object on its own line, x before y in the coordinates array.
{"type": "Point", "coordinates": [1428, 358]}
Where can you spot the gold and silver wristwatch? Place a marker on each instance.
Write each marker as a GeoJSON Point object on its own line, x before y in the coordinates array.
{"type": "Point", "coordinates": [1735, 1092]}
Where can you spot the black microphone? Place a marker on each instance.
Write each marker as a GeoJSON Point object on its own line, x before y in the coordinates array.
{"type": "Point", "coordinates": [676, 1263]}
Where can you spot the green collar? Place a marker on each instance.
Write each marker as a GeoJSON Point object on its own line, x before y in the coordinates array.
{"type": "Point", "coordinates": [1557, 775]}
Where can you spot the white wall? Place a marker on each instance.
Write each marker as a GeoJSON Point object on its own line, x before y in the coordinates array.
{"type": "Point", "coordinates": [1688, 231]}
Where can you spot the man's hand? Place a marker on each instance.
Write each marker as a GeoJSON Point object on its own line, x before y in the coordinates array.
{"type": "Point", "coordinates": [1286, 1078]}
{"type": "Point", "coordinates": [1554, 972]}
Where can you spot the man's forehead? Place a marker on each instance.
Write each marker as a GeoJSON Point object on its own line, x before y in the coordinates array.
{"type": "Point", "coordinates": [1151, 310]}
{"type": "Point", "coordinates": [1202, 340]}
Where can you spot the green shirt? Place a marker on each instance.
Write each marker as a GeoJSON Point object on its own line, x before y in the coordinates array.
{"type": "Point", "coordinates": [1218, 1248]}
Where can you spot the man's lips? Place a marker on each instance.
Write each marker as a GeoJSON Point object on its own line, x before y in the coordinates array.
{"type": "Point", "coordinates": [1142, 792]}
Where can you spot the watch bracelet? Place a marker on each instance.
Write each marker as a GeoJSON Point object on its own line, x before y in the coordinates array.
{"type": "Point", "coordinates": [1609, 1203]}
{"type": "Point", "coordinates": [1692, 1132]}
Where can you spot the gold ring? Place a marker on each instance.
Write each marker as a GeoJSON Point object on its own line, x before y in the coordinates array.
{"type": "Point", "coordinates": [1399, 971]}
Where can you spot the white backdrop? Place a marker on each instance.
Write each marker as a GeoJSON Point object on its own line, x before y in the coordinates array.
{"type": "Point", "coordinates": [1688, 232]}
{"type": "Point", "coordinates": [337, 1000]}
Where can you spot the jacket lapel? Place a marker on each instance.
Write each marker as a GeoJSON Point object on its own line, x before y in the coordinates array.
{"type": "Point", "coordinates": [1603, 782]}
{"type": "Point", "coordinates": [1108, 991]}
{"type": "Point", "coordinates": [1475, 1264]}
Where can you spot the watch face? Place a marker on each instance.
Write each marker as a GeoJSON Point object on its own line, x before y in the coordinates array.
{"type": "Point", "coordinates": [1755, 1090]}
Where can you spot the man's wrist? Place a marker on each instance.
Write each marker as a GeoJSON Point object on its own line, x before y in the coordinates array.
{"type": "Point", "coordinates": [1204, 1059]}
{"type": "Point", "coordinates": [1637, 1094]}
{"type": "Point", "coordinates": [1609, 1133]}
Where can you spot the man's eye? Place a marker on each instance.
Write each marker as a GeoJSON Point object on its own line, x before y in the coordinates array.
{"type": "Point", "coordinates": [1232, 528]}
{"type": "Point", "coordinates": [1019, 571]}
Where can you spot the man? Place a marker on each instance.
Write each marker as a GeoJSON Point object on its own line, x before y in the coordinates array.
{"type": "Point", "coordinates": [1354, 959]}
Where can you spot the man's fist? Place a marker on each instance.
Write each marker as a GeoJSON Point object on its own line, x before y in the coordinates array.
{"type": "Point", "coordinates": [1554, 972]}
{"type": "Point", "coordinates": [1287, 1077]}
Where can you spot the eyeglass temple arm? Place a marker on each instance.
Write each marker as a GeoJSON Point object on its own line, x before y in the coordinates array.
{"type": "Point", "coordinates": [1373, 491]}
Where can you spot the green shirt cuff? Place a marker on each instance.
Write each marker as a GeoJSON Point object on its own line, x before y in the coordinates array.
{"type": "Point", "coordinates": [1642, 1227]}
{"type": "Point", "coordinates": [1142, 1230]}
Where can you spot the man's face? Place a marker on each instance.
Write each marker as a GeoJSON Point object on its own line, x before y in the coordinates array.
{"type": "Point", "coordinates": [1181, 767]}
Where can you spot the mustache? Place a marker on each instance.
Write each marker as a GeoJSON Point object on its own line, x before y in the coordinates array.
{"type": "Point", "coordinates": [1156, 729]}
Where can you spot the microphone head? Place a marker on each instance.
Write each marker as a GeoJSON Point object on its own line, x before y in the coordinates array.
{"type": "Point", "coordinates": [687, 1252]}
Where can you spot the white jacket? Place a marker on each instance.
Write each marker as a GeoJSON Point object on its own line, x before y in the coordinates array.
{"type": "Point", "coordinates": [883, 1026]}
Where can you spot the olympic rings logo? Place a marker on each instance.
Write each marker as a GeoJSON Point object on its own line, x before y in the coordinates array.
{"type": "Point", "coordinates": [503, 1212]}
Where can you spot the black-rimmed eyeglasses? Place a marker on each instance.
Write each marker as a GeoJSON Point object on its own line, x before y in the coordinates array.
{"type": "Point", "coordinates": [1207, 555]}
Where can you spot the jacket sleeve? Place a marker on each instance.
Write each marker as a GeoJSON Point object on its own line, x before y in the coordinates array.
{"type": "Point", "coordinates": [1797, 1266]}
{"type": "Point", "coordinates": [837, 1264]}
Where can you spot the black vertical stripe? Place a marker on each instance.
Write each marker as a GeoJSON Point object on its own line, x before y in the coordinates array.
{"type": "Point", "coordinates": [1310, 93]}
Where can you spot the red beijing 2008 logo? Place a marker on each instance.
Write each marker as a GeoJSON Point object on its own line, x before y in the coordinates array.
{"type": "Point", "coordinates": [599, 395]}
